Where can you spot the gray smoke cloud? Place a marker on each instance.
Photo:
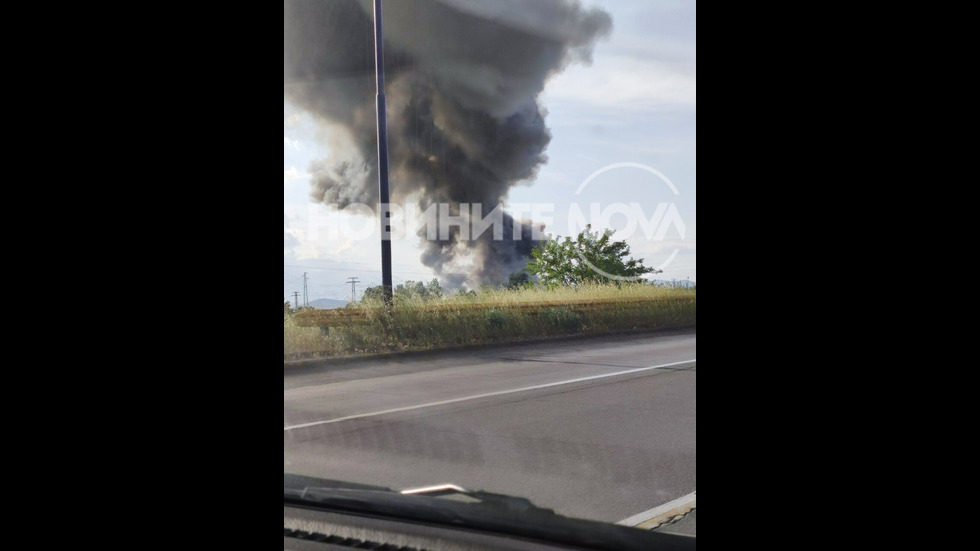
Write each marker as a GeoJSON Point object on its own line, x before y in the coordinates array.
{"type": "Point", "coordinates": [465, 123]}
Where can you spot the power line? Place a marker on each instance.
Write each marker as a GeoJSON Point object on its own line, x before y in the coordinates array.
{"type": "Point", "coordinates": [317, 269]}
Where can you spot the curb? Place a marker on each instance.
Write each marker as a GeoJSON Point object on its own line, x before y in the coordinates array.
{"type": "Point", "coordinates": [344, 361]}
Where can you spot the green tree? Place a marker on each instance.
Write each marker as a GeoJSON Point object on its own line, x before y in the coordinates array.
{"type": "Point", "coordinates": [592, 257]}
{"type": "Point", "coordinates": [408, 291]}
{"type": "Point", "coordinates": [374, 294]}
{"type": "Point", "coordinates": [519, 280]}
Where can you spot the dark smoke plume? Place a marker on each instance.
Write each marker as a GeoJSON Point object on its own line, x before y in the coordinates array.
{"type": "Point", "coordinates": [465, 125]}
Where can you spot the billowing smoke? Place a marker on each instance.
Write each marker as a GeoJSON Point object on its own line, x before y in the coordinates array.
{"type": "Point", "coordinates": [465, 125]}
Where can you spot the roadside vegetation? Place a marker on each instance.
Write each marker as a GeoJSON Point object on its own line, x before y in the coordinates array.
{"type": "Point", "coordinates": [555, 297]}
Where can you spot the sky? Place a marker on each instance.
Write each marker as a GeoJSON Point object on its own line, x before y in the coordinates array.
{"type": "Point", "coordinates": [624, 134]}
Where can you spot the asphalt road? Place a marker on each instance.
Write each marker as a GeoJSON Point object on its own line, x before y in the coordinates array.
{"type": "Point", "coordinates": [609, 446]}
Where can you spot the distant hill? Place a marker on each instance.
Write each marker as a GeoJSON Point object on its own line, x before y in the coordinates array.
{"type": "Point", "coordinates": [328, 304]}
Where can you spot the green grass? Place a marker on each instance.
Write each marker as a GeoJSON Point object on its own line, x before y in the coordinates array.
{"type": "Point", "coordinates": [496, 317]}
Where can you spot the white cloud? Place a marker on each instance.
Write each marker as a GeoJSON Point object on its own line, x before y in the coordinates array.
{"type": "Point", "coordinates": [307, 235]}
{"type": "Point", "coordinates": [627, 82]}
{"type": "Point", "coordinates": [292, 175]}
{"type": "Point", "coordinates": [292, 144]}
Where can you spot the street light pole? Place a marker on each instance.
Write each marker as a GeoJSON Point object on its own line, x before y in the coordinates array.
{"type": "Point", "coordinates": [384, 197]}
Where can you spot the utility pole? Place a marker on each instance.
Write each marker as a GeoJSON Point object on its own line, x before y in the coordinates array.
{"type": "Point", "coordinates": [296, 294]}
{"type": "Point", "coordinates": [353, 288]}
{"type": "Point", "coordinates": [306, 290]}
{"type": "Point", "coordinates": [384, 198]}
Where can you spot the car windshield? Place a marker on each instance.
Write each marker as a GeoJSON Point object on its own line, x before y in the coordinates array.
{"type": "Point", "coordinates": [490, 251]}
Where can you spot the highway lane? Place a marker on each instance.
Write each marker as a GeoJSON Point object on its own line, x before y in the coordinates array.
{"type": "Point", "coordinates": [605, 448]}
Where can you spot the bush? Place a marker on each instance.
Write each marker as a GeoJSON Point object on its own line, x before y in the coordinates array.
{"type": "Point", "coordinates": [418, 323]}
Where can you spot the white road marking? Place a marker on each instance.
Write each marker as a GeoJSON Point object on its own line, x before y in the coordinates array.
{"type": "Point", "coordinates": [482, 396]}
{"type": "Point", "coordinates": [685, 502]}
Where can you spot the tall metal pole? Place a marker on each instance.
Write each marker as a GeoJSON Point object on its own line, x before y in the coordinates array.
{"type": "Point", "coordinates": [306, 290]}
{"type": "Point", "coordinates": [353, 288]}
{"type": "Point", "coordinates": [384, 201]}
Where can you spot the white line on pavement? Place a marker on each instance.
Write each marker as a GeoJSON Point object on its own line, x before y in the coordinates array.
{"type": "Point", "coordinates": [683, 503]}
{"type": "Point", "coordinates": [482, 396]}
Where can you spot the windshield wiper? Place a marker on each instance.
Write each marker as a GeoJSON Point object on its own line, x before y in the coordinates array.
{"type": "Point", "coordinates": [488, 512]}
